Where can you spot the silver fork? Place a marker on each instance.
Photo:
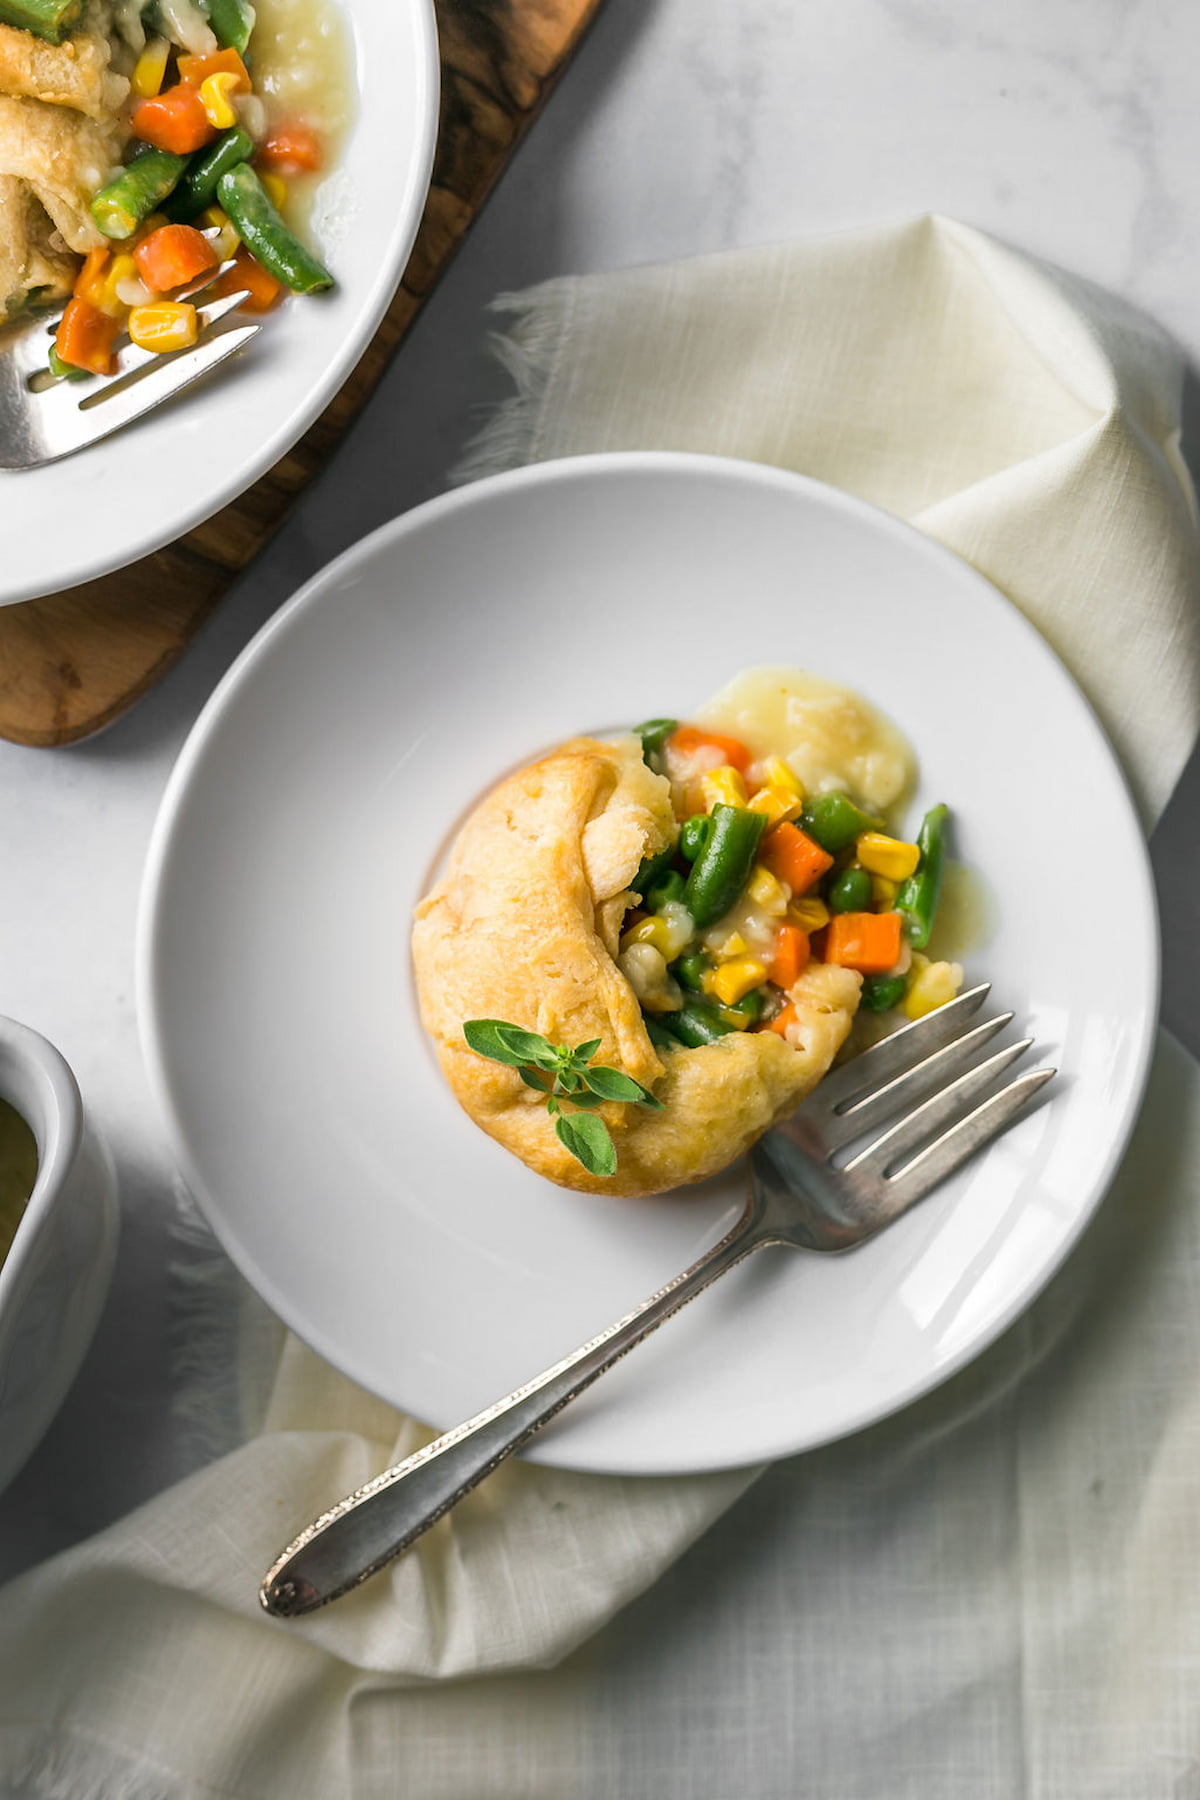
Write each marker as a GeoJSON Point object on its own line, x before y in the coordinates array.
{"type": "Point", "coordinates": [43, 418]}
{"type": "Point", "coordinates": [945, 1105]}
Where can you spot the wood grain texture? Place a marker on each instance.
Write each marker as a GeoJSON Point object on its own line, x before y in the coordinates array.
{"type": "Point", "coordinates": [71, 663]}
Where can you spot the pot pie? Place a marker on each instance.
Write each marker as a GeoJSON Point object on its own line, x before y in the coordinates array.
{"type": "Point", "coordinates": [703, 907]}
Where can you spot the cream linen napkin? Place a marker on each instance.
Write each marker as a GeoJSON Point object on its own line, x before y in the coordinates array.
{"type": "Point", "coordinates": [1031, 423]}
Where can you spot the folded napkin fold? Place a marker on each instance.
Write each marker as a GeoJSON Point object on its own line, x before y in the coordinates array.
{"type": "Point", "coordinates": [1031, 423]}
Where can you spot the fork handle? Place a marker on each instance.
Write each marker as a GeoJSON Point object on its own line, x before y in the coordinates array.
{"type": "Point", "coordinates": [368, 1528]}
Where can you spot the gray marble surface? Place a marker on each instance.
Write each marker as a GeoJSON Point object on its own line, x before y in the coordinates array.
{"type": "Point", "coordinates": [1068, 127]}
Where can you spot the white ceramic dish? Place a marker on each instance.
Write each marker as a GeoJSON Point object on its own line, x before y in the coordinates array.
{"type": "Point", "coordinates": [79, 518]}
{"type": "Point", "coordinates": [55, 1277]}
{"type": "Point", "coordinates": [317, 793]}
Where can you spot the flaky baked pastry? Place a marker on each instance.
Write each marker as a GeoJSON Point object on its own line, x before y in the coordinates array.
{"type": "Point", "coordinates": [62, 130]}
{"type": "Point", "coordinates": [524, 927]}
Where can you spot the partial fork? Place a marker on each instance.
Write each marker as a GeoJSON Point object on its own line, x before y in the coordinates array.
{"type": "Point", "coordinates": [41, 421]}
{"type": "Point", "coordinates": [946, 1106]}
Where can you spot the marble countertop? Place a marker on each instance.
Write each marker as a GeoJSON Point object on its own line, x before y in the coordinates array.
{"type": "Point", "coordinates": [1068, 127]}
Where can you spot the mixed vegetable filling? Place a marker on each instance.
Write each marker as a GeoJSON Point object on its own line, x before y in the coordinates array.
{"type": "Point", "coordinates": [205, 182]}
{"type": "Point", "coordinates": [764, 879]}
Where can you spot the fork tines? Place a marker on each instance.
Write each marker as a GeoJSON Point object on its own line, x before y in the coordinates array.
{"type": "Point", "coordinates": [927, 1078]}
{"type": "Point", "coordinates": [44, 418]}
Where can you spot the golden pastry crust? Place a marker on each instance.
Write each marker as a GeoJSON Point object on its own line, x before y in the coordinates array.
{"type": "Point", "coordinates": [76, 73]}
{"type": "Point", "coordinates": [62, 157]}
{"type": "Point", "coordinates": [523, 926]}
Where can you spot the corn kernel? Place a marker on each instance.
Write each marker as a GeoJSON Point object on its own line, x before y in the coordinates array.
{"type": "Point", "coordinates": [931, 985]}
{"type": "Point", "coordinates": [723, 787]}
{"type": "Point", "coordinates": [768, 892]}
{"type": "Point", "coordinates": [214, 218]}
{"type": "Point", "coordinates": [781, 775]}
{"type": "Point", "coordinates": [149, 69]}
{"type": "Point", "coordinates": [654, 931]}
{"type": "Point", "coordinates": [121, 269]}
{"type": "Point", "coordinates": [734, 945]}
{"type": "Point", "coordinates": [883, 893]}
{"type": "Point", "coordinates": [167, 325]}
{"type": "Point", "coordinates": [276, 188]}
{"type": "Point", "coordinates": [809, 913]}
{"type": "Point", "coordinates": [734, 980]}
{"type": "Point", "coordinates": [887, 856]}
{"type": "Point", "coordinates": [216, 97]}
{"type": "Point", "coordinates": [777, 803]}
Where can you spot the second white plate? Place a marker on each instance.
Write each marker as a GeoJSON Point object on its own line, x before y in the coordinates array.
{"type": "Point", "coordinates": [124, 497]}
{"type": "Point", "coordinates": [314, 798]}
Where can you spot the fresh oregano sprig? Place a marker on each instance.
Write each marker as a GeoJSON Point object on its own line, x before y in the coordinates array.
{"type": "Point", "coordinates": [561, 1073]}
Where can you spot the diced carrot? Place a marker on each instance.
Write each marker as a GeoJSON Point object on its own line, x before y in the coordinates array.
{"type": "Point", "coordinates": [174, 121]}
{"type": "Point", "coordinates": [868, 942]}
{"type": "Point", "coordinates": [172, 255]}
{"type": "Point", "coordinates": [195, 69]}
{"type": "Point", "coordinates": [292, 145]}
{"type": "Point", "coordinates": [85, 337]}
{"type": "Point", "coordinates": [265, 291]}
{"type": "Point", "coordinates": [795, 857]}
{"type": "Point", "coordinates": [690, 738]}
{"type": "Point", "coordinates": [89, 283]}
{"type": "Point", "coordinates": [783, 1019]}
{"type": "Point", "coordinates": [790, 956]}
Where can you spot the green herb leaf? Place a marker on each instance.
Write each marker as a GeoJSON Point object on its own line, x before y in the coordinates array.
{"type": "Point", "coordinates": [555, 1069]}
{"type": "Point", "coordinates": [586, 1137]}
{"type": "Point", "coordinates": [504, 1043]}
{"type": "Point", "coordinates": [611, 1084]}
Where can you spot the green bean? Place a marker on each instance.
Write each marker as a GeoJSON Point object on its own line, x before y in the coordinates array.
{"type": "Point", "coordinates": [658, 1034]}
{"type": "Point", "coordinates": [694, 833]}
{"type": "Point", "coordinates": [668, 887]}
{"type": "Point", "coordinates": [65, 371]}
{"type": "Point", "coordinates": [653, 869]}
{"type": "Point", "coordinates": [266, 236]}
{"type": "Point", "coordinates": [721, 870]}
{"type": "Point", "coordinates": [232, 22]}
{"type": "Point", "coordinates": [48, 19]}
{"type": "Point", "coordinates": [198, 185]}
{"type": "Point", "coordinates": [917, 899]}
{"type": "Point", "coordinates": [851, 892]}
{"type": "Point", "coordinates": [834, 821]}
{"type": "Point", "coordinates": [690, 970]}
{"type": "Point", "coordinates": [880, 993]}
{"type": "Point", "coordinates": [119, 208]}
{"type": "Point", "coordinates": [746, 1011]}
{"type": "Point", "coordinates": [696, 1023]}
{"type": "Point", "coordinates": [654, 734]}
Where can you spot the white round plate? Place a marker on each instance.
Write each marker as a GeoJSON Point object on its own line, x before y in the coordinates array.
{"type": "Point", "coordinates": [320, 788]}
{"type": "Point", "coordinates": [128, 495]}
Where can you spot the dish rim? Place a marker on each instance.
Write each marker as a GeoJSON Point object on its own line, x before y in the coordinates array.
{"type": "Point", "coordinates": [328, 581]}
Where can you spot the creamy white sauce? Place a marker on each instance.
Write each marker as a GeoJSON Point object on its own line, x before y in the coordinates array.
{"type": "Point", "coordinates": [302, 65]}
{"type": "Point", "coordinates": [831, 737]}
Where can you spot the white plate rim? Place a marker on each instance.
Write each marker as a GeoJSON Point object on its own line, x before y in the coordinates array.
{"type": "Point", "coordinates": [443, 506]}
{"type": "Point", "coordinates": [397, 245]}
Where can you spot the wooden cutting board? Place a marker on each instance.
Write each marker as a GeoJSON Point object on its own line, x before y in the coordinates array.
{"type": "Point", "coordinates": [72, 662]}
